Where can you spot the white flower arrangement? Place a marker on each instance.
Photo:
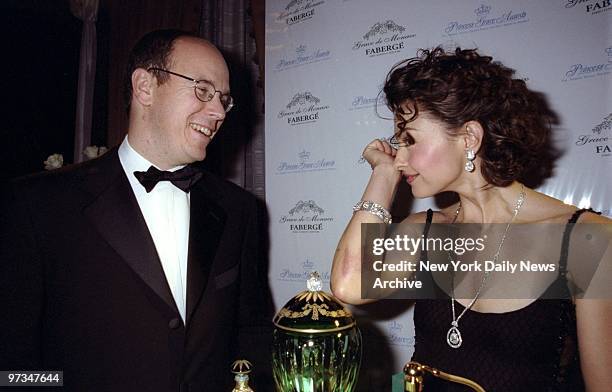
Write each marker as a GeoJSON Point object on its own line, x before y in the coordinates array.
{"type": "Point", "coordinates": [54, 161]}
{"type": "Point", "coordinates": [92, 152]}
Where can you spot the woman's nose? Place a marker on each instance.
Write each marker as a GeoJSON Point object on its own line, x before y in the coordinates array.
{"type": "Point", "coordinates": [401, 157]}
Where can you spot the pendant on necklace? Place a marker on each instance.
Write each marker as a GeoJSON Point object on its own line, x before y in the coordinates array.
{"type": "Point", "coordinates": [453, 336]}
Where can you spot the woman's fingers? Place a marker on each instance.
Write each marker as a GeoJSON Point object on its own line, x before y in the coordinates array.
{"type": "Point", "coordinates": [377, 152]}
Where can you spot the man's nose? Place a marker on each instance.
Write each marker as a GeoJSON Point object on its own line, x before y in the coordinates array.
{"type": "Point", "coordinates": [215, 108]}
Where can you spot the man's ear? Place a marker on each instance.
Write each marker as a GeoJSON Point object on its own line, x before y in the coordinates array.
{"type": "Point", "coordinates": [473, 135]}
{"type": "Point", "coordinates": [142, 86]}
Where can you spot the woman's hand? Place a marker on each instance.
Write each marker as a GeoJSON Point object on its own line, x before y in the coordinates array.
{"type": "Point", "coordinates": [379, 152]}
{"type": "Point", "coordinates": [346, 268]}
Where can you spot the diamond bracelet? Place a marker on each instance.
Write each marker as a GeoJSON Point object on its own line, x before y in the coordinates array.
{"type": "Point", "coordinates": [373, 208]}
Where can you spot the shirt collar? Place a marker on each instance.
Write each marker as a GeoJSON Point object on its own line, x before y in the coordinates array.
{"type": "Point", "coordinates": [132, 161]}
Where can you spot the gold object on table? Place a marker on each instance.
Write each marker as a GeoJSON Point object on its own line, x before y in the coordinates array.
{"type": "Point", "coordinates": [413, 377]}
{"type": "Point", "coordinates": [241, 368]}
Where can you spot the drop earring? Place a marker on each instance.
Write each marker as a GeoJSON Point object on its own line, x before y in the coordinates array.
{"type": "Point", "coordinates": [470, 155]}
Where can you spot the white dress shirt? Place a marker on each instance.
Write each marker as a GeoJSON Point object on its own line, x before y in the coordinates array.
{"type": "Point", "coordinates": [166, 212]}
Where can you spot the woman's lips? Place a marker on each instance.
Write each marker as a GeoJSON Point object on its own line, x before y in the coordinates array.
{"type": "Point", "coordinates": [410, 178]}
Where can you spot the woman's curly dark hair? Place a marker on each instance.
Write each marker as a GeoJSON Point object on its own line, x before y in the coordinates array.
{"type": "Point", "coordinates": [465, 86]}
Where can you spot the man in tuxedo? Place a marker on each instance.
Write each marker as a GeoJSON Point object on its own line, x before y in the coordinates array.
{"type": "Point", "coordinates": [132, 272]}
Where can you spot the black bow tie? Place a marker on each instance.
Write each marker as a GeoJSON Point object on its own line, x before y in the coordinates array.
{"type": "Point", "coordinates": [183, 178]}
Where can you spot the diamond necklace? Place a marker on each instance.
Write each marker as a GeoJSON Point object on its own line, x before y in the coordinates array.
{"type": "Point", "coordinates": [453, 336]}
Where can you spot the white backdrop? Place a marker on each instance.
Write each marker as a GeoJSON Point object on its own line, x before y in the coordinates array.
{"type": "Point", "coordinates": [326, 61]}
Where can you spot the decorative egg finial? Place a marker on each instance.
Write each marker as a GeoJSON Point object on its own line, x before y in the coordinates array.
{"type": "Point", "coordinates": [314, 282]}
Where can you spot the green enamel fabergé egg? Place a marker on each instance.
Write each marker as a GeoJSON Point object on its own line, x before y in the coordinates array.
{"type": "Point", "coordinates": [317, 345]}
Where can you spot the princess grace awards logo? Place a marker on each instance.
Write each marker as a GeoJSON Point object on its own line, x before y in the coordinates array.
{"type": "Point", "coordinates": [302, 56]}
{"type": "Point", "coordinates": [303, 108]}
{"type": "Point", "coordinates": [301, 272]}
{"type": "Point", "coordinates": [383, 38]}
{"type": "Point", "coordinates": [599, 141]}
{"type": "Point", "coordinates": [298, 11]}
{"type": "Point", "coordinates": [397, 334]}
{"type": "Point", "coordinates": [306, 217]}
{"type": "Point", "coordinates": [486, 19]}
{"type": "Point", "coordinates": [305, 163]}
{"type": "Point", "coordinates": [590, 6]}
{"type": "Point", "coordinates": [590, 69]}
{"type": "Point", "coordinates": [361, 102]}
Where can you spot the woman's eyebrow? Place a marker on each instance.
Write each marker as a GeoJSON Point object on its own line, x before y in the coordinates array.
{"type": "Point", "coordinates": [406, 129]}
{"type": "Point", "coordinates": [404, 133]}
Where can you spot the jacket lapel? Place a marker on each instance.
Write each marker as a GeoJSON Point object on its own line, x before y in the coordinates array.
{"type": "Point", "coordinates": [206, 225]}
{"type": "Point", "coordinates": [117, 217]}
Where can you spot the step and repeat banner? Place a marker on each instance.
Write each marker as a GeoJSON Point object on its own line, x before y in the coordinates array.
{"type": "Point", "coordinates": [326, 61]}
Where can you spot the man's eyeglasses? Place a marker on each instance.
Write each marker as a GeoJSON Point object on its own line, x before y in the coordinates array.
{"type": "Point", "coordinates": [204, 90]}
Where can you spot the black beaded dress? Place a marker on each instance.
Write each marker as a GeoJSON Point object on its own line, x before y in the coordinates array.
{"type": "Point", "coordinates": [530, 349]}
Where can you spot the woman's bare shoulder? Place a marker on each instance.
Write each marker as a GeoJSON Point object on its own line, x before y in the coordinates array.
{"type": "Point", "coordinates": [547, 209]}
{"type": "Point", "coordinates": [445, 215]}
{"type": "Point", "coordinates": [591, 217]}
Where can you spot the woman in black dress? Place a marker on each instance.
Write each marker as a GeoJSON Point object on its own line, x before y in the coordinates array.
{"type": "Point", "coordinates": [464, 124]}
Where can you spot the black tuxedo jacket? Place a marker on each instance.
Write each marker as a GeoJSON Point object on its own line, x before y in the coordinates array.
{"type": "Point", "coordinates": [82, 288]}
